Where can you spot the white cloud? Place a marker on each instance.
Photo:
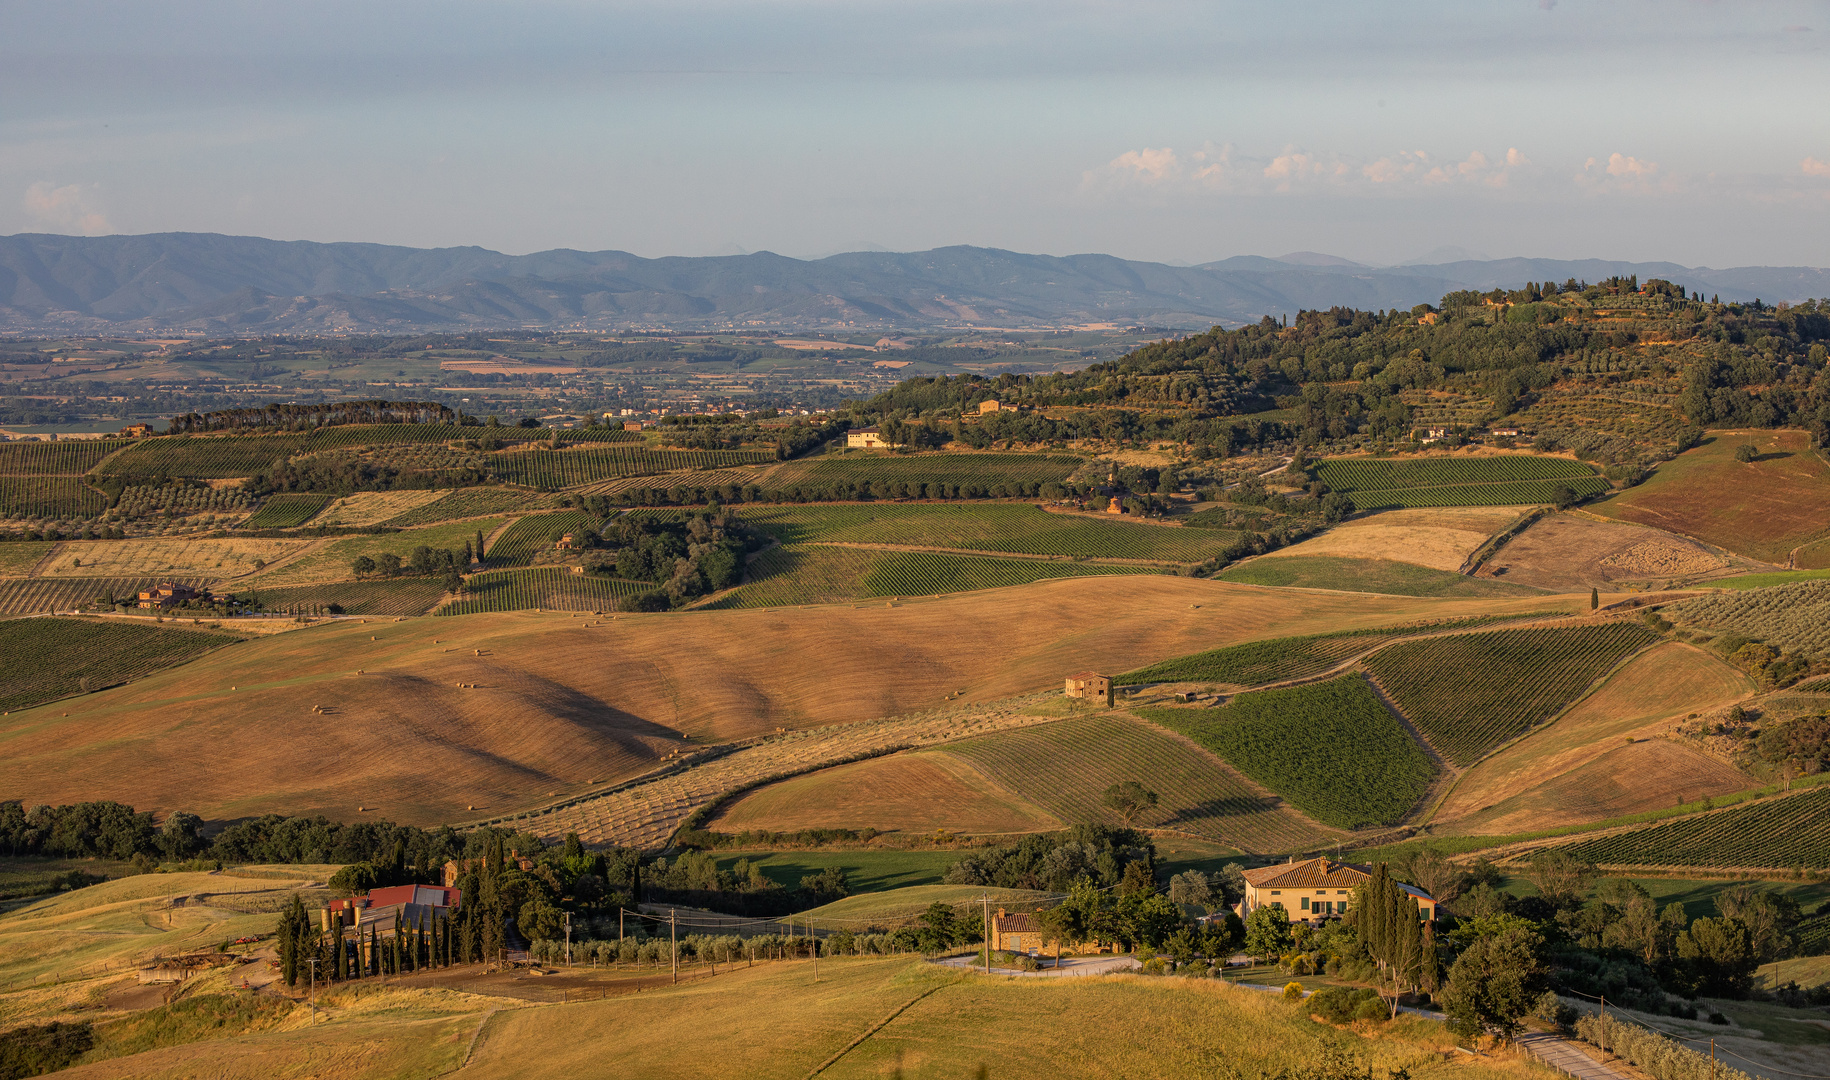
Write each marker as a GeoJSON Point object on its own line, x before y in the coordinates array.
{"type": "Point", "coordinates": [1224, 169]}
{"type": "Point", "coordinates": [68, 207]}
{"type": "Point", "coordinates": [1621, 165]}
{"type": "Point", "coordinates": [1623, 172]}
{"type": "Point", "coordinates": [1146, 165]}
{"type": "Point", "coordinates": [1814, 167]}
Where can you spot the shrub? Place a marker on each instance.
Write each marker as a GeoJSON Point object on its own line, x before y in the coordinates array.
{"type": "Point", "coordinates": [1293, 991]}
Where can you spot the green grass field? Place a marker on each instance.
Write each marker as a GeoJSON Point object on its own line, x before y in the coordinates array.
{"type": "Point", "coordinates": [1765, 581]}
{"type": "Point", "coordinates": [45, 659]}
{"type": "Point", "coordinates": [1506, 480]}
{"type": "Point", "coordinates": [1469, 693]}
{"type": "Point", "coordinates": [1332, 749]}
{"type": "Point", "coordinates": [399, 596]}
{"type": "Point", "coordinates": [1065, 768]}
{"type": "Point", "coordinates": [812, 574]}
{"type": "Point", "coordinates": [1019, 529]}
{"type": "Point", "coordinates": [1369, 576]}
{"type": "Point", "coordinates": [19, 557]}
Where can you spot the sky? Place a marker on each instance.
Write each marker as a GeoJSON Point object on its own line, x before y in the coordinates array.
{"type": "Point", "coordinates": [1680, 130]}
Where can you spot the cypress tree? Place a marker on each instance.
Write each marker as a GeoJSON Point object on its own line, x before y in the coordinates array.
{"type": "Point", "coordinates": [1594, 598]}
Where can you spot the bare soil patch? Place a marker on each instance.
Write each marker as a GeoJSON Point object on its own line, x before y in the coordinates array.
{"type": "Point", "coordinates": [1565, 552]}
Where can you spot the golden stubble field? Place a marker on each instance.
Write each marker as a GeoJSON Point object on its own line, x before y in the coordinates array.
{"type": "Point", "coordinates": [498, 711]}
{"type": "Point", "coordinates": [1441, 539]}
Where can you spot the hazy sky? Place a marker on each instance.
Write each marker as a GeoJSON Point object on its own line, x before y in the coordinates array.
{"type": "Point", "coordinates": [1631, 129]}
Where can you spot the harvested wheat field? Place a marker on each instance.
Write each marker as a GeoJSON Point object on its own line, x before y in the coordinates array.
{"type": "Point", "coordinates": [914, 793]}
{"type": "Point", "coordinates": [1763, 509]}
{"type": "Point", "coordinates": [549, 702]}
{"type": "Point", "coordinates": [1439, 539]}
{"type": "Point", "coordinates": [374, 507]}
{"type": "Point", "coordinates": [180, 556]}
{"type": "Point", "coordinates": [1667, 681]}
{"type": "Point", "coordinates": [1566, 552]}
{"type": "Point", "coordinates": [1627, 778]}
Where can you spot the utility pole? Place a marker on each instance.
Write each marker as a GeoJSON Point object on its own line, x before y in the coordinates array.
{"type": "Point", "coordinates": [673, 941]}
{"type": "Point", "coordinates": [985, 898]}
{"type": "Point", "coordinates": [620, 912]}
{"type": "Point", "coordinates": [1712, 1058]}
{"type": "Point", "coordinates": [813, 947]}
{"type": "Point", "coordinates": [1604, 1028]}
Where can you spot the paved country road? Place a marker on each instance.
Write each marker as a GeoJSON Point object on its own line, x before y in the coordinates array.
{"type": "Point", "coordinates": [1560, 1054]}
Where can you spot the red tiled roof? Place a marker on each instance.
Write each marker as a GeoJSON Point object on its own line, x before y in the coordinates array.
{"type": "Point", "coordinates": [1020, 923]}
{"type": "Point", "coordinates": [1086, 675]}
{"type": "Point", "coordinates": [1309, 874]}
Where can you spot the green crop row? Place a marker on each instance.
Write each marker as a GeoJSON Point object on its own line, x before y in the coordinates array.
{"type": "Point", "coordinates": [1506, 493]}
{"type": "Point", "coordinates": [470, 503]}
{"type": "Point", "coordinates": [550, 470]}
{"type": "Point", "coordinates": [1370, 474]}
{"type": "Point", "coordinates": [1065, 768]}
{"type": "Point", "coordinates": [550, 589]}
{"type": "Point", "coordinates": [520, 542]}
{"type": "Point", "coordinates": [65, 457]}
{"type": "Point", "coordinates": [1332, 749]}
{"type": "Point", "coordinates": [286, 511]}
{"type": "Point", "coordinates": [1469, 693]}
{"type": "Point", "coordinates": [1019, 529]}
{"type": "Point", "coordinates": [952, 469]}
{"type": "Point", "coordinates": [1777, 833]}
{"type": "Point", "coordinates": [45, 659]}
{"type": "Point", "coordinates": [1255, 663]}
{"type": "Point", "coordinates": [49, 497]}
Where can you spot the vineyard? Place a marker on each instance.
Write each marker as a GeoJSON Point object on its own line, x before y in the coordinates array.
{"type": "Point", "coordinates": [1332, 749]}
{"type": "Point", "coordinates": [980, 470]}
{"type": "Point", "coordinates": [550, 589]}
{"type": "Point", "coordinates": [1774, 833]}
{"type": "Point", "coordinates": [286, 511]}
{"type": "Point", "coordinates": [549, 470]}
{"type": "Point", "coordinates": [65, 457]}
{"type": "Point", "coordinates": [49, 497]}
{"type": "Point", "coordinates": [204, 457]}
{"type": "Point", "coordinates": [1278, 659]}
{"type": "Point", "coordinates": [1381, 484]}
{"type": "Point", "coordinates": [534, 534]}
{"type": "Point", "coordinates": [1009, 527]}
{"type": "Point", "coordinates": [333, 561]}
{"type": "Point", "coordinates": [1468, 693]}
{"type": "Point", "coordinates": [45, 659]}
{"type": "Point", "coordinates": [27, 596]}
{"type": "Point", "coordinates": [790, 575]}
{"type": "Point", "coordinates": [470, 503]}
{"type": "Point", "coordinates": [1064, 768]}
{"type": "Point", "coordinates": [1794, 617]}
{"type": "Point", "coordinates": [398, 596]}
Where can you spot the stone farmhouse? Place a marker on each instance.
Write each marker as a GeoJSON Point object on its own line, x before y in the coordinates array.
{"type": "Point", "coordinates": [1314, 889]}
{"type": "Point", "coordinates": [168, 595]}
{"type": "Point", "coordinates": [1020, 932]}
{"type": "Point", "coordinates": [1090, 686]}
{"type": "Point", "coordinates": [865, 438]}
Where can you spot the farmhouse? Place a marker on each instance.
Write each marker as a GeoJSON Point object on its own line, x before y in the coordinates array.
{"type": "Point", "coordinates": [378, 907]}
{"type": "Point", "coordinates": [1314, 889]}
{"type": "Point", "coordinates": [137, 431]}
{"type": "Point", "coordinates": [868, 438]}
{"type": "Point", "coordinates": [988, 406]}
{"type": "Point", "coordinates": [456, 868]}
{"type": "Point", "coordinates": [168, 595]}
{"type": "Point", "coordinates": [1090, 686]}
{"type": "Point", "coordinates": [1019, 933]}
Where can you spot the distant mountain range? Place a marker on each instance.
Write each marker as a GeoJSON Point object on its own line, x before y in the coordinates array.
{"type": "Point", "coordinates": [248, 285]}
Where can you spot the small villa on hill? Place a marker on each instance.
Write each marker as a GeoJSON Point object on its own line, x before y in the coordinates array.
{"type": "Point", "coordinates": [865, 438]}
{"type": "Point", "coordinates": [1090, 686]}
{"type": "Point", "coordinates": [1315, 889]}
{"type": "Point", "coordinates": [168, 595]}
